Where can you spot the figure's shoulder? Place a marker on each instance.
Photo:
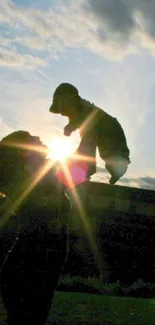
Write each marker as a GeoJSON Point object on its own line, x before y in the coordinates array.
{"type": "Point", "coordinates": [88, 107]}
{"type": "Point", "coordinates": [98, 114]}
{"type": "Point", "coordinates": [103, 115]}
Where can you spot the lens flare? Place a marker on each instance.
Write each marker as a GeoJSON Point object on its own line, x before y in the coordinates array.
{"type": "Point", "coordinates": [60, 148]}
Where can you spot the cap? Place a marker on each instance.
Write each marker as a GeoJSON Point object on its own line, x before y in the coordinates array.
{"type": "Point", "coordinates": [64, 89]}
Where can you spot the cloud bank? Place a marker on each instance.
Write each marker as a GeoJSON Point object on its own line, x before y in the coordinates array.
{"type": "Point", "coordinates": [106, 27]}
{"type": "Point", "coordinates": [145, 182]}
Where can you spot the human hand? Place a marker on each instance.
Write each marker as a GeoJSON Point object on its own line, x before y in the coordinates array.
{"type": "Point", "coordinates": [67, 130]}
{"type": "Point", "coordinates": [117, 167]}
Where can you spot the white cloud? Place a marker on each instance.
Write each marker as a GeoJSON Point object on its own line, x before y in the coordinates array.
{"type": "Point", "coordinates": [69, 25]}
{"type": "Point", "coordinates": [40, 44]}
{"type": "Point", "coordinates": [145, 182]}
{"type": "Point", "coordinates": [31, 42]}
{"type": "Point", "coordinates": [19, 16]}
{"type": "Point", "coordinates": [5, 42]}
{"type": "Point", "coordinates": [10, 57]}
{"type": "Point", "coordinates": [107, 27]}
{"type": "Point", "coordinates": [125, 24]}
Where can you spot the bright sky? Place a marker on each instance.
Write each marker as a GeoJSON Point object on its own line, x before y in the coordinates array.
{"type": "Point", "coordinates": [106, 48]}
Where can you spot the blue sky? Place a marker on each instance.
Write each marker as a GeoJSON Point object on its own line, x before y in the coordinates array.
{"type": "Point", "coordinates": [106, 48]}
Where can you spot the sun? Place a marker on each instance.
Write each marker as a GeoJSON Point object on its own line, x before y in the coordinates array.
{"type": "Point", "coordinates": [60, 148]}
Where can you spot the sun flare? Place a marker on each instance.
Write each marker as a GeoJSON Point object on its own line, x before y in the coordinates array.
{"type": "Point", "coordinates": [60, 148]}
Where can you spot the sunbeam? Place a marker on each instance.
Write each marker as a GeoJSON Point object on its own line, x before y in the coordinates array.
{"type": "Point", "coordinates": [82, 213]}
{"type": "Point", "coordinates": [88, 120]}
{"type": "Point", "coordinates": [35, 180]}
{"type": "Point", "coordinates": [60, 148]}
{"type": "Point", "coordinates": [26, 147]}
{"type": "Point", "coordinates": [65, 166]}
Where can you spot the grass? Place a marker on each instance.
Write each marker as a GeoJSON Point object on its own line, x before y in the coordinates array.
{"type": "Point", "coordinates": [70, 308]}
{"type": "Point", "coordinates": [88, 309]}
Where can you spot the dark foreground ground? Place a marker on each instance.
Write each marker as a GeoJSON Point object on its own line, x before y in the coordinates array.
{"type": "Point", "coordinates": [80, 308]}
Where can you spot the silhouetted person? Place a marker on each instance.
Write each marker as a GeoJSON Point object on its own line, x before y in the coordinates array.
{"type": "Point", "coordinates": [97, 129]}
{"type": "Point", "coordinates": [31, 269]}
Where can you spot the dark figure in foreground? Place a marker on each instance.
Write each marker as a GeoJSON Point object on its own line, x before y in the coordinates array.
{"type": "Point", "coordinates": [31, 269]}
{"type": "Point", "coordinates": [8, 232]}
{"type": "Point", "coordinates": [97, 129]}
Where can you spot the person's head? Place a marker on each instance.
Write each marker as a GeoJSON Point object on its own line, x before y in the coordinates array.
{"type": "Point", "coordinates": [20, 154]}
{"type": "Point", "coordinates": [22, 143]}
{"type": "Point", "coordinates": [65, 100]}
